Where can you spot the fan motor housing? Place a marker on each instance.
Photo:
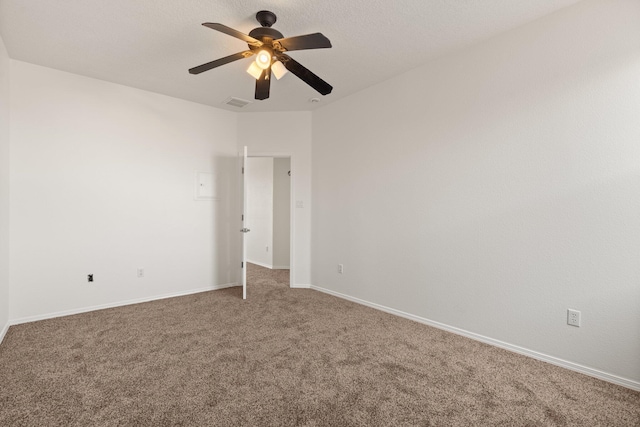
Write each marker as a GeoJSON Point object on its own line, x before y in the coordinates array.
{"type": "Point", "coordinates": [262, 33]}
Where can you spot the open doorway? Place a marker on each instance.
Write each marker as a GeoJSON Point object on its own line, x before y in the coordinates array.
{"type": "Point", "coordinates": [268, 245]}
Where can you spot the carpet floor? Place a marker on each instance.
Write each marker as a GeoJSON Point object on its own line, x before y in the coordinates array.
{"type": "Point", "coordinates": [290, 357]}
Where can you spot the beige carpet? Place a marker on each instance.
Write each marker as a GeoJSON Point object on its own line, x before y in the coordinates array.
{"type": "Point", "coordinates": [283, 357]}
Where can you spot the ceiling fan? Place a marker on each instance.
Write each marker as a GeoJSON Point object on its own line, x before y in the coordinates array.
{"type": "Point", "coordinates": [269, 46]}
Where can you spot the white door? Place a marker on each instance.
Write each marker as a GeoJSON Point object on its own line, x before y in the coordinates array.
{"type": "Point", "coordinates": [244, 230]}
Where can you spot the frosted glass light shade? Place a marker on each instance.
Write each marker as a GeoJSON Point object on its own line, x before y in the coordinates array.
{"type": "Point", "coordinates": [254, 70]}
{"type": "Point", "coordinates": [279, 69]}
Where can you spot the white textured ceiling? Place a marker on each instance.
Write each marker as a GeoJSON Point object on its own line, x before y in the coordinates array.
{"type": "Point", "coordinates": [150, 44]}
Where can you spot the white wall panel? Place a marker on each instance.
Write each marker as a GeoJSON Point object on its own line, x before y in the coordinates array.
{"type": "Point", "coordinates": [102, 182]}
{"type": "Point", "coordinates": [495, 188]}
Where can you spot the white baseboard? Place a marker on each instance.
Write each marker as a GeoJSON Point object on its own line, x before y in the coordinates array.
{"type": "Point", "coordinates": [625, 382]}
{"type": "Point", "coordinates": [3, 332]}
{"type": "Point", "coordinates": [299, 286]}
{"type": "Point", "coordinates": [269, 266]}
{"type": "Point", "coordinates": [116, 304]}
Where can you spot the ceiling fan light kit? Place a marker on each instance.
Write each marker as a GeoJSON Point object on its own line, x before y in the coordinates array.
{"type": "Point", "coordinates": [269, 47]}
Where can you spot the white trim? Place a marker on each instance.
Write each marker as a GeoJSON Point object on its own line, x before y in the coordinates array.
{"type": "Point", "coordinates": [4, 331]}
{"type": "Point", "coordinates": [280, 267]}
{"type": "Point", "coordinates": [296, 286]}
{"type": "Point", "coordinates": [117, 304]}
{"type": "Point", "coordinates": [625, 382]}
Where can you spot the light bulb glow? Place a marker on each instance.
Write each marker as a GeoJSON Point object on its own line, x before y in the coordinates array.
{"type": "Point", "coordinates": [263, 59]}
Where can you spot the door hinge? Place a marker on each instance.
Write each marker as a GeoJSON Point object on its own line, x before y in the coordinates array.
{"type": "Point", "coordinates": [242, 265]}
{"type": "Point", "coordinates": [243, 170]}
{"type": "Point", "coordinates": [242, 217]}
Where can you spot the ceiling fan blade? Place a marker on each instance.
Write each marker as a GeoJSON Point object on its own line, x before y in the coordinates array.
{"type": "Point", "coordinates": [305, 75]}
{"type": "Point", "coordinates": [308, 41]}
{"type": "Point", "coordinates": [263, 84]}
{"type": "Point", "coordinates": [234, 33]}
{"type": "Point", "coordinates": [218, 62]}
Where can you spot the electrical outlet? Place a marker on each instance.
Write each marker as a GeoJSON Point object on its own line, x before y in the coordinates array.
{"type": "Point", "coordinates": [573, 317]}
{"type": "Point", "coordinates": [89, 277]}
{"type": "Point", "coordinates": [340, 268]}
{"type": "Point", "coordinates": [140, 272]}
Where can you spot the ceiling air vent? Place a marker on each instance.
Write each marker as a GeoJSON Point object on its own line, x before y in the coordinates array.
{"type": "Point", "coordinates": [236, 102]}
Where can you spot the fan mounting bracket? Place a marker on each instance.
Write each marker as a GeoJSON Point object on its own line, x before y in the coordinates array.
{"type": "Point", "coordinates": [266, 18]}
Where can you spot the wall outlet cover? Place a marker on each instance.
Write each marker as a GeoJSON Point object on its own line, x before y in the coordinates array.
{"type": "Point", "coordinates": [573, 317]}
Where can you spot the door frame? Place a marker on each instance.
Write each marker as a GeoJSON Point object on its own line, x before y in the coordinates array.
{"type": "Point", "coordinates": [292, 205]}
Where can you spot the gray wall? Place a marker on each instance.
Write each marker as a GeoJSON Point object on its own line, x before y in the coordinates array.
{"type": "Point", "coordinates": [281, 212]}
